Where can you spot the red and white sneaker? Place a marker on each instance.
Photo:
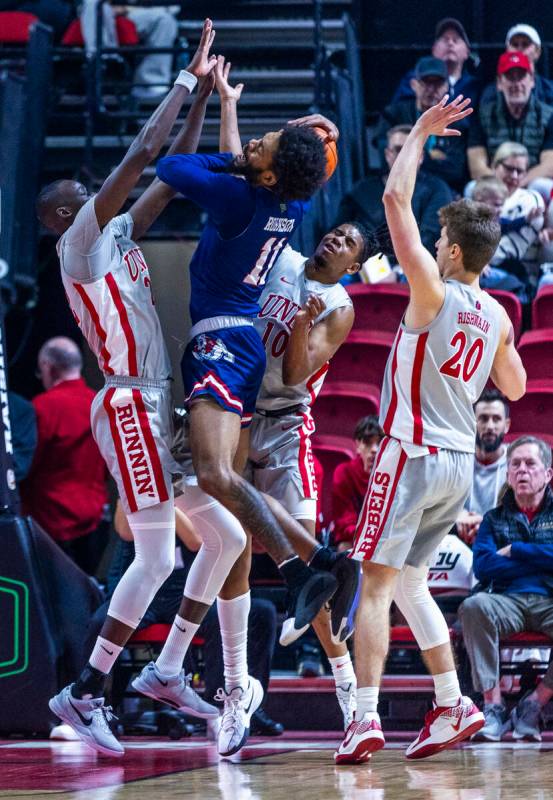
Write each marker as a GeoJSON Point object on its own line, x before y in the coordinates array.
{"type": "Point", "coordinates": [362, 739]}
{"type": "Point", "coordinates": [444, 727]}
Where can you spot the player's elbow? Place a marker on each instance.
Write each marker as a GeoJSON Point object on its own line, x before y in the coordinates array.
{"type": "Point", "coordinates": [393, 197]}
{"type": "Point", "coordinates": [516, 391]}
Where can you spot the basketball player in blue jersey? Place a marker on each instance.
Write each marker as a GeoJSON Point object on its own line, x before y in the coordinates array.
{"type": "Point", "coordinates": [255, 198]}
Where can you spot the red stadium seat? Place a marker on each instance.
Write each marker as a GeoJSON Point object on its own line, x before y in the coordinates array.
{"type": "Point", "coordinates": [536, 351]}
{"type": "Point", "coordinates": [542, 308]}
{"type": "Point", "coordinates": [331, 451]}
{"type": "Point", "coordinates": [157, 634]}
{"type": "Point", "coordinates": [380, 307]}
{"type": "Point", "coordinates": [126, 33]}
{"type": "Point", "coordinates": [534, 411]}
{"type": "Point", "coordinates": [362, 357]}
{"type": "Point", "coordinates": [512, 306]}
{"type": "Point", "coordinates": [340, 405]}
{"type": "Point", "coordinates": [15, 26]}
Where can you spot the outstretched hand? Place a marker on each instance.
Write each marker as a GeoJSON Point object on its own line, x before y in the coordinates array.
{"type": "Point", "coordinates": [202, 63]}
{"type": "Point", "coordinates": [226, 91]}
{"type": "Point", "coordinates": [310, 310]}
{"type": "Point", "coordinates": [436, 120]}
{"type": "Point", "coordinates": [206, 85]}
{"type": "Point", "coordinates": [317, 121]}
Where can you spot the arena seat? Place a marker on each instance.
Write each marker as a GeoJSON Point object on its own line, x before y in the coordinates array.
{"type": "Point", "coordinates": [157, 634]}
{"type": "Point", "coordinates": [15, 26]}
{"type": "Point", "coordinates": [542, 308]}
{"type": "Point", "coordinates": [126, 33]}
{"type": "Point", "coordinates": [331, 451]}
{"type": "Point", "coordinates": [362, 357]}
{"type": "Point", "coordinates": [341, 404]}
{"type": "Point", "coordinates": [512, 306]}
{"type": "Point", "coordinates": [379, 307]}
{"type": "Point", "coordinates": [536, 350]}
{"type": "Point", "coordinates": [533, 412]}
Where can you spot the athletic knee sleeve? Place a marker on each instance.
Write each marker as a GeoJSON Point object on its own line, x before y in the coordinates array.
{"type": "Point", "coordinates": [419, 608]}
{"type": "Point", "coordinates": [223, 539]}
{"type": "Point", "coordinates": [153, 531]}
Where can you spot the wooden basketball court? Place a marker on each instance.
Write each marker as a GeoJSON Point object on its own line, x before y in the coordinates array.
{"type": "Point", "coordinates": [294, 767]}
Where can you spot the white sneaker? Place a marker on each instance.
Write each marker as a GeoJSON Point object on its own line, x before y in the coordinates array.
{"type": "Point", "coordinates": [175, 691]}
{"type": "Point", "coordinates": [240, 704]}
{"type": "Point", "coordinates": [362, 739]}
{"type": "Point", "coordinates": [89, 719]}
{"type": "Point", "coordinates": [347, 698]}
{"type": "Point", "coordinates": [444, 727]}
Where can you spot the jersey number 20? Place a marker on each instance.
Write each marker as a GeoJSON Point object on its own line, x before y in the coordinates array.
{"type": "Point", "coordinates": [265, 261]}
{"type": "Point", "coordinates": [464, 361]}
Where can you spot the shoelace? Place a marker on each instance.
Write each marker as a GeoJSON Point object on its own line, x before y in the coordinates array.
{"type": "Point", "coordinates": [104, 715]}
{"type": "Point", "coordinates": [232, 706]}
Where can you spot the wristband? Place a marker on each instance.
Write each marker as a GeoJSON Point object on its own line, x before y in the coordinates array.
{"type": "Point", "coordinates": [187, 80]}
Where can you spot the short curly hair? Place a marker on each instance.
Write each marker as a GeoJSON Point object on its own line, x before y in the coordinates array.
{"type": "Point", "coordinates": [299, 163]}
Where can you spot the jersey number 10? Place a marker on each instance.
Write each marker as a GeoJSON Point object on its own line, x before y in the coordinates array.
{"type": "Point", "coordinates": [464, 361]}
{"type": "Point", "coordinates": [265, 261]}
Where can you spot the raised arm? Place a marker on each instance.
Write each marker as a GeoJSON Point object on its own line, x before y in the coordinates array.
{"type": "Point", "coordinates": [507, 372]}
{"type": "Point", "coordinates": [229, 135]}
{"type": "Point", "coordinates": [310, 346]}
{"type": "Point", "coordinates": [152, 137]}
{"type": "Point", "coordinates": [151, 203]}
{"type": "Point", "coordinates": [419, 266]}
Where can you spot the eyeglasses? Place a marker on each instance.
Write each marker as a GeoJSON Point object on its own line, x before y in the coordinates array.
{"type": "Point", "coordinates": [511, 170]}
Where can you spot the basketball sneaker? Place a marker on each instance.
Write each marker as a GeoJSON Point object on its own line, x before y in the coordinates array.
{"type": "Point", "coordinates": [496, 724]}
{"type": "Point", "coordinates": [347, 699]}
{"type": "Point", "coordinates": [344, 602]}
{"type": "Point", "coordinates": [525, 718]}
{"type": "Point", "coordinates": [89, 719]}
{"type": "Point", "coordinates": [306, 597]}
{"type": "Point", "coordinates": [445, 726]}
{"type": "Point", "coordinates": [362, 739]}
{"type": "Point", "coordinates": [240, 704]}
{"type": "Point", "coordinates": [175, 691]}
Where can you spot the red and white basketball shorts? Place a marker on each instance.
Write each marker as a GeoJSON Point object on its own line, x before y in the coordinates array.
{"type": "Point", "coordinates": [133, 428]}
{"type": "Point", "coordinates": [281, 461]}
{"type": "Point", "coordinates": [410, 505]}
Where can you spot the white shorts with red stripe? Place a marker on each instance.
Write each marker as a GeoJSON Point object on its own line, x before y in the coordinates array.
{"type": "Point", "coordinates": [133, 427]}
{"type": "Point", "coordinates": [281, 461]}
{"type": "Point", "coordinates": [412, 502]}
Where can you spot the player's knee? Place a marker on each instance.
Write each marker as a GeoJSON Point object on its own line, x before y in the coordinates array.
{"type": "Point", "coordinates": [216, 480]}
{"type": "Point", "coordinates": [161, 566]}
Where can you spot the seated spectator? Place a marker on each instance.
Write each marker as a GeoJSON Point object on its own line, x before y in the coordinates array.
{"type": "Point", "coordinates": [23, 428]}
{"type": "Point", "coordinates": [525, 39]}
{"type": "Point", "coordinates": [65, 490]}
{"type": "Point", "coordinates": [513, 560]}
{"type": "Point", "coordinates": [58, 14]}
{"type": "Point", "coordinates": [156, 27]}
{"type": "Point", "coordinates": [350, 481]}
{"type": "Point", "coordinates": [452, 46]}
{"type": "Point", "coordinates": [490, 462]}
{"type": "Point", "coordinates": [514, 114]}
{"type": "Point", "coordinates": [444, 155]}
{"type": "Point", "coordinates": [363, 203]}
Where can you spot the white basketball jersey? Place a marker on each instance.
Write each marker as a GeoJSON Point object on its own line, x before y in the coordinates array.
{"type": "Point", "coordinates": [435, 374]}
{"type": "Point", "coordinates": [107, 284]}
{"type": "Point", "coordinates": [286, 290]}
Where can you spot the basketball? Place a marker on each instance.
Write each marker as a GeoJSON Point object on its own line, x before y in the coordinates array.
{"type": "Point", "coordinates": [331, 151]}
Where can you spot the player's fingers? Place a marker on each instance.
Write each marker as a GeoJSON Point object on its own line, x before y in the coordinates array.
{"type": "Point", "coordinates": [227, 70]}
{"type": "Point", "coordinates": [443, 101]}
{"type": "Point", "coordinates": [450, 132]}
{"type": "Point", "coordinates": [206, 32]}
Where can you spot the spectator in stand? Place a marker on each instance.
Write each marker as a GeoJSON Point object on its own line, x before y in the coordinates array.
{"type": "Point", "coordinates": [350, 481]}
{"type": "Point", "coordinates": [525, 39]}
{"type": "Point", "coordinates": [515, 115]}
{"type": "Point", "coordinates": [65, 491]}
{"type": "Point", "coordinates": [56, 13]}
{"type": "Point", "coordinates": [156, 26]}
{"type": "Point", "coordinates": [363, 203]}
{"type": "Point", "coordinates": [452, 46]}
{"type": "Point", "coordinates": [23, 428]}
{"type": "Point", "coordinates": [444, 156]}
{"type": "Point", "coordinates": [490, 462]}
{"type": "Point", "coordinates": [513, 560]}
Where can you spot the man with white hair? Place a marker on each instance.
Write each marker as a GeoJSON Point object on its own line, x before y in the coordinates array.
{"type": "Point", "coordinates": [65, 490]}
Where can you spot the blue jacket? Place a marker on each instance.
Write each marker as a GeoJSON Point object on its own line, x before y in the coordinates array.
{"type": "Point", "coordinates": [530, 567]}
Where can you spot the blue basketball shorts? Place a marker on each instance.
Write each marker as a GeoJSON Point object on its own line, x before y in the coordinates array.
{"type": "Point", "coordinates": [227, 366]}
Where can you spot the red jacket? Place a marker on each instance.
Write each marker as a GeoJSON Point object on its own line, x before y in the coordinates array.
{"type": "Point", "coordinates": [349, 485]}
{"type": "Point", "coordinates": [65, 490]}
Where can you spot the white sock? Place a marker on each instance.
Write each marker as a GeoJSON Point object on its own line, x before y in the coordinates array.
{"type": "Point", "coordinates": [447, 689]}
{"type": "Point", "coordinates": [342, 669]}
{"type": "Point", "coordinates": [104, 655]}
{"type": "Point", "coordinates": [169, 662]}
{"type": "Point", "coordinates": [233, 621]}
{"type": "Point", "coordinates": [367, 701]}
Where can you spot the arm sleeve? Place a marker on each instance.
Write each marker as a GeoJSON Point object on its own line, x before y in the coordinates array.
{"type": "Point", "coordinates": [540, 556]}
{"type": "Point", "coordinates": [226, 198]}
{"type": "Point", "coordinates": [488, 565]}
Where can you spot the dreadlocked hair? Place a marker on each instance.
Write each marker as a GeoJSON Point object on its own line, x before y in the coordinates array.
{"type": "Point", "coordinates": [377, 241]}
{"type": "Point", "coordinates": [299, 163]}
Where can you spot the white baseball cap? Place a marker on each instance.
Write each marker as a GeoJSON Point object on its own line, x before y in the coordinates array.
{"type": "Point", "coordinates": [525, 30]}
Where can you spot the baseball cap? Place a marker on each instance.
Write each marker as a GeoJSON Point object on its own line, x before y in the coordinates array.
{"type": "Point", "coordinates": [451, 22]}
{"type": "Point", "coordinates": [524, 30]}
{"type": "Point", "coordinates": [514, 60]}
{"type": "Point", "coordinates": [428, 65]}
